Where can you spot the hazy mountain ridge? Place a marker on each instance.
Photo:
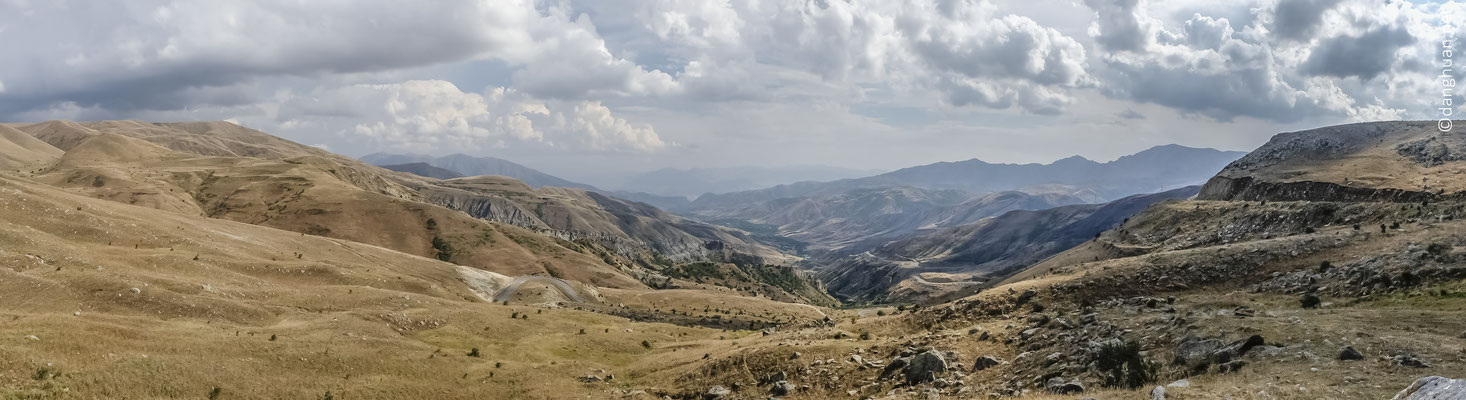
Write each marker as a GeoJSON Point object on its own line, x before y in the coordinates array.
{"type": "Point", "coordinates": [424, 170]}
{"type": "Point", "coordinates": [467, 165]}
{"type": "Point", "coordinates": [693, 182]}
{"type": "Point", "coordinates": [1156, 169]}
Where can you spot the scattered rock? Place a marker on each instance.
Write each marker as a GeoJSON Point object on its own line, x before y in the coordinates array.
{"type": "Point", "coordinates": [1243, 312]}
{"type": "Point", "coordinates": [716, 392]}
{"type": "Point", "coordinates": [590, 379]}
{"type": "Point", "coordinates": [984, 336]}
{"type": "Point", "coordinates": [1434, 388]}
{"type": "Point", "coordinates": [1409, 361]}
{"type": "Point", "coordinates": [986, 362]}
{"type": "Point", "coordinates": [1180, 384]}
{"type": "Point", "coordinates": [781, 388]}
{"type": "Point", "coordinates": [1088, 319]}
{"type": "Point", "coordinates": [1159, 393]}
{"type": "Point", "coordinates": [1463, 334]}
{"type": "Point", "coordinates": [32, 337]}
{"type": "Point", "coordinates": [1349, 354]}
{"type": "Point", "coordinates": [794, 356]}
{"type": "Point", "coordinates": [855, 358]}
{"type": "Point", "coordinates": [136, 291]}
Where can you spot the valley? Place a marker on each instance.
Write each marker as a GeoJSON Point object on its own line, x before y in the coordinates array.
{"type": "Point", "coordinates": [206, 259]}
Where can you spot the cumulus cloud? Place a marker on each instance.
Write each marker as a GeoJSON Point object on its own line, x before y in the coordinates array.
{"type": "Point", "coordinates": [1121, 25]}
{"type": "Point", "coordinates": [435, 116]}
{"type": "Point", "coordinates": [1275, 68]}
{"type": "Point", "coordinates": [966, 51]}
{"type": "Point", "coordinates": [1299, 19]}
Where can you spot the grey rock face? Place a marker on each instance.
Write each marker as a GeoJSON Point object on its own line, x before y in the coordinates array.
{"type": "Point", "coordinates": [1434, 388]}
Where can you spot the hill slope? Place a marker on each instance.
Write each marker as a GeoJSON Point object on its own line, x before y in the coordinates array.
{"type": "Point", "coordinates": [186, 168]}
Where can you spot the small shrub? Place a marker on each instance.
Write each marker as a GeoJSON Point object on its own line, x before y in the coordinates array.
{"type": "Point", "coordinates": [214, 394]}
{"type": "Point", "coordinates": [646, 344]}
{"type": "Point", "coordinates": [473, 352]}
{"type": "Point", "coordinates": [43, 373]}
{"type": "Point", "coordinates": [1325, 266]}
{"type": "Point", "coordinates": [881, 313]}
{"type": "Point", "coordinates": [443, 249]}
{"type": "Point", "coordinates": [273, 337]}
{"type": "Point", "coordinates": [864, 335]}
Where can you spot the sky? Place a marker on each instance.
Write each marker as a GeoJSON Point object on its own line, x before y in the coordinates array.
{"type": "Point", "coordinates": [587, 88]}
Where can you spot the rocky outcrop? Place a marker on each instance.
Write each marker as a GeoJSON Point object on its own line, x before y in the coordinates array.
{"type": "Point", "coordinates": [1250, 189]}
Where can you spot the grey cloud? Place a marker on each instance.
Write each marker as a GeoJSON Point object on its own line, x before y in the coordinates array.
{"type": "Point", "coordinates": [1299, 19]}
{"type": "Point", "coordinates": [1364, 56]}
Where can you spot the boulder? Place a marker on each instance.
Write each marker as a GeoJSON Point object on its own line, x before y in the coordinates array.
{"type": "Point", "coordinates": [1349, 354]}
{"type": "Point", "coordinates": [925, 367]}
{"type": "Point", "coordinates": [1197, 353]}
{"type": "Point", "coordinates": [1434, 388]}
{"type": "Point", "coordinates": [985, 362]}
{"type": "Point", "coordinates": [1159, 393]}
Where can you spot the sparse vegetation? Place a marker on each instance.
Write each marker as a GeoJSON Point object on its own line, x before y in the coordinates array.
{"type": "Point", "coordinates": [442, 249]}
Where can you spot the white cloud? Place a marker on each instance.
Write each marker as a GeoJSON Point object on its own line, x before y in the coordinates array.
{"type": "Point", "coordinates": [435, 116]}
